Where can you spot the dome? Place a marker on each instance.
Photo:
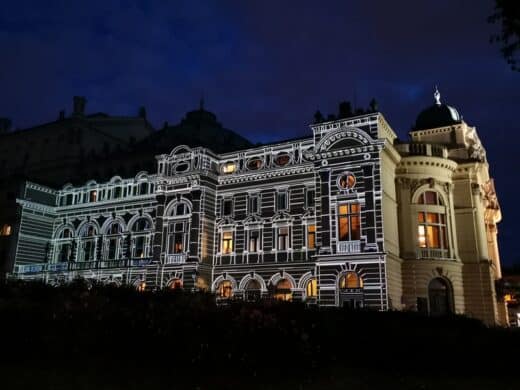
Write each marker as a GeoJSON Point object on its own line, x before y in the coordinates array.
{"type": "Point", "coordinates": [437, 115]}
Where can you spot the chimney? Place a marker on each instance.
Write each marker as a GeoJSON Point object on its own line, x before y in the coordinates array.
{"type": "Point", "coordinates": [79, 106]}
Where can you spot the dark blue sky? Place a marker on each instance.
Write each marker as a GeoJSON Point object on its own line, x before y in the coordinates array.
{"type": "Point", "coordinates": [264, 67]}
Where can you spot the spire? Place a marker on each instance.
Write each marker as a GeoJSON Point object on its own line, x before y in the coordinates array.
{"type": "Point", "coordinates": [437, 96]}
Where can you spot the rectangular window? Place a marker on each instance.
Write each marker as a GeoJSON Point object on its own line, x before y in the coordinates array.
{"type": "Point", "coordinates": [309, 197]}
{"type": "Point", "coordinates": [431, 230]}
{"type": "Point", "coordinates": [254, 241]}
{"type": "Point", "coordinates": [227, 242]}
{"type": "Point", "coordinates": [139, 246]}
{"type": "Point", "coordinates": [253, 204]}
{"type": "Point", "coordinates": [349, 219]}
{"type": "Point", "coordinates": [176, 237]}
{"type": "Point", "coordinates": [227, 207]}
{"type": "Point", "coordinates": [281, 200]}
{"type": "Point", "coordinates": [311, 236]}
{"type": "Point", "coordinates": [93, 196]}
{"type": "Point", "coordinates": [283, 238]}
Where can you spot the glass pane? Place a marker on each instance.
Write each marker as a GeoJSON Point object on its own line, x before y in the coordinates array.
{"type": "Point", "coordinates": [433, 236]}
{"type": "Point", "coordinates": [421, 217]}
{"type": "Point", "coordinates": [343, 229]}
{"type": "Point", "coordinates": [343, 209]}
{"type": "Point", "coordinates": [311, 240]}
{"type": "Point", "coordinates": [355, 233]}
{"type": "Point", "coordinates": [430, 197]}
{"type": "Point", "coordinates": [421, 236]}
{"type": "Point", "coordinates": [432, 218]}
{"type": "Point", "coordinates": [354, 208]}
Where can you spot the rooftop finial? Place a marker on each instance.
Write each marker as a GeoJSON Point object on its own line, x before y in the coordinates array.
{"type": "Point", "coordinates": [437, 96]}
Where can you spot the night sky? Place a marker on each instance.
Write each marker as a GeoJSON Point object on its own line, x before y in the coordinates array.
{"type": "Point", "coordinates": [264, 67]}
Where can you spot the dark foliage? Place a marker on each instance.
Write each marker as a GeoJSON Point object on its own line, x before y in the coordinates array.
{"type": "Point", "coordinates": [111, 338]}
{"type": "Point", "coordinates": [507, 14]}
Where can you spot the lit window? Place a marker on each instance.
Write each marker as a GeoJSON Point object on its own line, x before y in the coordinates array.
{"type": "Point", "coordinates": [225, 289]}
{"type": "Point", "coordinates": [141, 286]}
{"type": "Point", "coordinates": [254, 164]}
{"type": "Point", "coordinates": [283, 238]}
{"type": "Point", "coordinates": [349, 222]}
{"type": "Point", "coordinates": [351, 280]}
{"type": "Point", "coordinates": [227, 242]}
{"type": "Point", "coordinates": [175, 284]}
{"type": "Point", "coordinates": [346, 181]}
{"type": "Point", "coordinates": [6, 230]}
{"type": "Point", "coordinates": [229, 167]}
{"type": "Point", "coordinates": [311, 236]}
{"type": "Point", "coordinates": [93, 196]}
{"type": "Point", "coordinates": [431, 230]}
{"type": "Point", "coordinates": [254, 241]}
{"type": "Point", "coordinates": [312, 288]}
{"type": "Point", "coordinates": [283, 290]}
{"type": "Point", "coordinates": [177, 237]}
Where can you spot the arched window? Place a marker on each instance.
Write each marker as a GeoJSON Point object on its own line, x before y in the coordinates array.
{"type": "Point", "coordinates": [440, 297]}
{"type": "Point", "coordinates": [282, 290]}
{"type": "Point", "coordinates": [252, 290]}
{"type": "Point", "coordinates": [225, 289]}
{"type": "Point", "coordinates": [64, 245]}
{"type": "Point", "coordinates": [143, 188]}
{"type": "Point", "coordinates": [141, 235]}
{"type": "Point", "coordinates": [6, 230]}
{"type": "Point", "coordinates": [350, 280]}
{"type": "Point", "coordinates": [311, 289]}
{"type": "Point", "coordinates": [113, 241]}
{"type": "Point", "coordinates": [175, 284]}
{"type": "Point", "coordinates": [88, 243]}
{"type": "Point", "coordinates": [140, 285]}
{"type": "Point", "coordinates": [432, 233]}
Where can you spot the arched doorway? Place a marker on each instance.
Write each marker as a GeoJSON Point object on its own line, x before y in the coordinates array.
{"type": "Point", "coordinates": [225, 289]}
{"type": "Point", "coordinates": [440, 297]}
{"type": "Point", "coordinates": [282, 291]}
{"type": "Point", "coordinates": [351, 290]}
{"type": "Point", "coordinates": [175, 284]}
{"type": "Point", "coordinates": [253, 290]}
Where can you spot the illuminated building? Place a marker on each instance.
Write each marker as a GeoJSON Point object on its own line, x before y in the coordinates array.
{"type": "Point", "coordinates": [349, 216]}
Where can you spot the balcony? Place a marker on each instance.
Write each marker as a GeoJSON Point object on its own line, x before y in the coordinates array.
{"type": "Point", "coordinates": [177, 258]}
{"type": "Point", "coordinates": [349, 247]}
{"type": "Point", "coordinates": [432, 253]}
{"type": "Point", "coordinates": [80, 265]}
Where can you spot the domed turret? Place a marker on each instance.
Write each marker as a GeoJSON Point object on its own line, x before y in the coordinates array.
{"type": "Point", "coordinates": [437, 115]}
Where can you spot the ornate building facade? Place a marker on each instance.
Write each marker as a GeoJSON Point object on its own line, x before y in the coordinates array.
{"type": "Point", "coordinates": [349, 216]}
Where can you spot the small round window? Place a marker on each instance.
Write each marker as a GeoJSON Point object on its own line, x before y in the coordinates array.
{"type": "Point", "coordinates": [254, 164]}
{"type": "Point", "coordinates": [346, 181]}
{"type": "Point", "coordinates": [282, 159]}
{"type": "Point", "coordinates": [229, 167]}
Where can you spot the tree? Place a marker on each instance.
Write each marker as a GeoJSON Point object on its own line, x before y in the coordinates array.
{"type": "Point", "coordinates": [345, 110]}
{"type": "Point", "coordinates": [507, 14]}
{"type": "Point", "coordinates": [318, 117]}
